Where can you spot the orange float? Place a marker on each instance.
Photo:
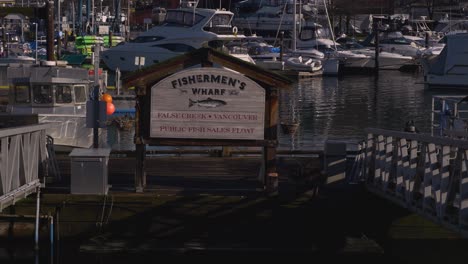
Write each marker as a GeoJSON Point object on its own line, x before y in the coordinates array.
{"type": "Point", "coordinates": [110, 108]}
{"type": "Point", "coordinates": [106, 98]}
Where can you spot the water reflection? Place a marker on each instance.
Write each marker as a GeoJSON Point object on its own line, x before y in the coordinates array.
{"type": "Point", "coordinates": [340, 109]}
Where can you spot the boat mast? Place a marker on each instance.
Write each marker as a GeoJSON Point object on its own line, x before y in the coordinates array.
{"type": "Point", "coordinates": [116, 22]}
{"type": "Point", "coordinates": [88, 3]}
{"type": "Point", "coordinates": [329, 24]}
{"type": "Point", "coordinates": [294, 26]}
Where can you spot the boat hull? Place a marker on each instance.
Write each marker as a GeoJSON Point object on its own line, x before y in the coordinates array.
{"type": "Point", "coordinates": [67, 130]}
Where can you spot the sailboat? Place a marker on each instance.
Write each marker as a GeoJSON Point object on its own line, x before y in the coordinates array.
{"type": "Point", "coordinates": [295, 61]}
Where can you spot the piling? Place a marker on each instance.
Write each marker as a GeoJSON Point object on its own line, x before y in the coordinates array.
{"type": "Point", "coordinates": [50, 30]}
{"type": "Point", "coordinates": [377, 48]}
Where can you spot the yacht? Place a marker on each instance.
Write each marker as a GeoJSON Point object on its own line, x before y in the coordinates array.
{"type": "Point", "coordinates": [449, 69]}
{"type": "Point", "coordinates": [387, 60]}
{"type": "Point", "coordinates": [333, 50]}
{"type": "Point", "coordinates": [395, 42]}
{"type": "Point", "coordinates": [184, 29]}
{"type": "Point", "coordinates": [268, 20]}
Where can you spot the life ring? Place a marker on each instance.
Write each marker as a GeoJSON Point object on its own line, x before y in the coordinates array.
{"type": "Point", "coordinates": [234, 30]}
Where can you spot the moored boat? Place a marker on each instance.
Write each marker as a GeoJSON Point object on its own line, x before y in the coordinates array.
{"type": "Point", "coordinates": [449, 69]}
{"type": "Point", "coordinates": [57, 95]}
{"type": "Point", "coordinates": [183, 30]}
{"type": "Point", "coordinates": [299, 64]}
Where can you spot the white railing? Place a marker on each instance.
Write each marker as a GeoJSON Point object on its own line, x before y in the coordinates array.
{"type": "Point", "coordinates": [22, 149]}
{"type": "Point", "coordinates": [449, 116]}
{"type": "Point", "coordinates": [425, 174]}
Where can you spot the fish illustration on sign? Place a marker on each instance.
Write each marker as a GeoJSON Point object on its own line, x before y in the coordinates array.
{"type": "Point", "coordinates": [208, 103]}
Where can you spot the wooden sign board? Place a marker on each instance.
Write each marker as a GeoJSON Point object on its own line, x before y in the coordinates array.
{"type": "Point", "coordinates": [207, 103]}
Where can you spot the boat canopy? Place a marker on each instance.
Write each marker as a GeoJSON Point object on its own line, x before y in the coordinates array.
{"type": "Point", "coordinates": [453, 59]}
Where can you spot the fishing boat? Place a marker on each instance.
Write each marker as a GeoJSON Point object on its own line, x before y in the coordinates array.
{"type": "Point", "coordinates": [57, 95]}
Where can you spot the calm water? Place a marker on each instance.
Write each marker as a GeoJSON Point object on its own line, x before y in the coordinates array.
{"type": "Point", "coordinates": [341, 108]}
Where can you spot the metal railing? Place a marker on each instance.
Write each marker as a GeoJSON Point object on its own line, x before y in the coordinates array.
{"type": "Point", "coordinates": [449, 116]}
{"type": "Point", "coordinates": [22, 150]}
{"type": "Point", "coordinates": [425, 174]}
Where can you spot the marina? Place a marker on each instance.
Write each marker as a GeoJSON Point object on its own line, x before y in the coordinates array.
{"type": "Point", "coordinates": [206, 137]}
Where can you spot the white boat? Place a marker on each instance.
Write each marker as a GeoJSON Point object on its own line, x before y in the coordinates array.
{"type": "Point", "coordinates": [21, 59]}
{"type": "Point", "coordinates": [13, 57]}
{"type": "Point", "coordinates": [57, 95]}
{"type": "Point", "coordinates": [449, 69]}
{"type": "Point", "coordinates": [387, 60]}
{"type": "Point", "coordinates": [269, 20]}
{"type": "Point", "coordinates": [333, 50]}
{"type": "Point", "coordinates": [183, 30]}
{"type": "Point", "coordinates": [395, 42]}
{"type": "Point", "coordinates": [301, 65]}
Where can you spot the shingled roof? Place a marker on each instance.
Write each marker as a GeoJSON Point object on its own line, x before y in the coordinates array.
{"type": "Point", "coordinates": [204, 56]}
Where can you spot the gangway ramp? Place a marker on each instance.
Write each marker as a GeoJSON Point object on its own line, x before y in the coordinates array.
{"type": "Point", "coordinates": [22, 150]}
{"type": "Point", "coordinates": [425, 174]}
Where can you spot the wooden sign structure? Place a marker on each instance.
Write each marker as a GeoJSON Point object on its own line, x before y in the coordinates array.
{"type": "Point", "coordinates": [179, 104]}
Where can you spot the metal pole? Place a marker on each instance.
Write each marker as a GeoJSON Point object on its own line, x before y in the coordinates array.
{"type": "Point", "coordinates": [4, 40]}
{"type": "Point", "coordinates": [294, 26]}
{"type": "Point", "coordinates": [128, 20]}
{"type": "Point", "coordinates": [97, 48]}
{"type": "Point", "coordinates": [37, 44]}
{"type": "Point", "coordinates": [22, 31]}
{"type": "Point", "coordinates": [73, 16]}
{"type": "Point", "coordinates": [36, 233]}
{"type": "Point", "coordinates": [7, 45]}
{"type": "Point", "coordinates": [59, 24]}
{"type": "Point", "coordinates": [96, 116]}
{"type": "Point", "coordinates": [377, 44]}
{"type": "Point", "coordinates": [51, 238]}
{"type": "Point", "coordinates": [50, 31]}
{"type": "Point", "coordinates": [96, 96]}
{"type": "Point", "coordinates": [88, 11]}
{"type": "Point", "coordinates": [80, 17]}
{"type": "Point", "coordinates": [93, 18]}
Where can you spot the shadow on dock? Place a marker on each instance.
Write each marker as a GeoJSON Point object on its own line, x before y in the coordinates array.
{"type": "Point", "coordinates": [196, 208]}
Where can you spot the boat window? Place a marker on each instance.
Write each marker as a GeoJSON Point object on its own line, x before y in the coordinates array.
{"type": "Point", "coordinates": [63, 94]}
{"type": "Point", "coordinates": [221, 20]}
{"type": "Point", "coordinates": [42, 94]}
{"type": "Point", "coordinates": [176, 47]}
{"type": "Point", "coordinates": [22, 93]}
{"type": "Point", "coordinates": [80, 94]}
{"type": "Point", "coordinates": [143, 39]}
{"type": "Point", "coordinates": [182, 18]}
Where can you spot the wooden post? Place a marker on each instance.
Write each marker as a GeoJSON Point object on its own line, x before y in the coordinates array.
{"type": "Point", "coordinates": [110, 38]}
{"type": "Point", "coordinates": [377, 44]}
{"type": "Point", "coordinates": [140, 174]}
{"type": "Point", "coordinates": [269, 152]}
{"type": "Point", "coordinates": [426, 40]}
{"type": "Point", "coordinates": [140, 147]}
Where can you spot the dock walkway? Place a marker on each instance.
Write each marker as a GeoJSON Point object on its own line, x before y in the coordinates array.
{"type": "Point", "coordinates": [217, 210]}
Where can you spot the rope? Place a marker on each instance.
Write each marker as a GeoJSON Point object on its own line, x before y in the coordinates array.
{"type": "Point", "coordinates": [99, 223]}
{"type": "Point", "coordinates": [110, 209]}
{"type": "Point", "coordinates": [279, 26]}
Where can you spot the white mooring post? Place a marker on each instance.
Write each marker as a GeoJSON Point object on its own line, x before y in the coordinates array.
{"type": "Point", "coordinates": [36, 234]}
